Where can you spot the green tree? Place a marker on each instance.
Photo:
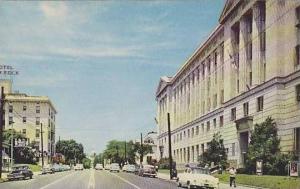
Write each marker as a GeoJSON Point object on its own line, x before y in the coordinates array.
{"type": "Point", "coordinates": [215, 152]}
{"type": "Point", "coordinates": [71, 150]}
{"type": "Point", "coordinates": [86, 163]}
{"type": "Point", "coordinates": [264, 145]}
{"type": "Point", "coordinates": [98, 159]}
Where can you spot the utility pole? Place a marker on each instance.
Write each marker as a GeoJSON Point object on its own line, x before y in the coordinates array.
{"type": "Point", "coordinates": [42, 145]}
{"type": "Point", "coordinates": [12, 146]}
{"type": "Point", "coordinates": [125, 152]}
{"type": "Point", "coordinates": [170, 147]}
{"type": "Point", "coordinates": [141, 157]}
{"type": "Point", "coordinates": [1, 127]}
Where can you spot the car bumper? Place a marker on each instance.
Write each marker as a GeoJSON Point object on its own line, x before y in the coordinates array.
{"type": "Point", "coordinates": [150, 174]}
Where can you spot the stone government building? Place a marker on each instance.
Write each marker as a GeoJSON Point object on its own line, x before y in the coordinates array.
{"type": "Point", "coordinates": [246, 70]}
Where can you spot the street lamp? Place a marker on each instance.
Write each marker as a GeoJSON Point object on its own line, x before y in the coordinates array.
{"type": "Point", "coordinates": [11, 145]}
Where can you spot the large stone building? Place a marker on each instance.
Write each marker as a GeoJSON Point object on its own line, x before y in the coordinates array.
{"type": "Point", "coordinates": [26, 113]}
{"type": "Point", "coordinates": [246, 70]}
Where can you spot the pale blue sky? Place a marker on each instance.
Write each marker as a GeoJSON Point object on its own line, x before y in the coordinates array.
{"type": "Point", "coordinates": [100, 62]}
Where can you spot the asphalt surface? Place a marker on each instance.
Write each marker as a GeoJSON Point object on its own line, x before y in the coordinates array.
{"type": "Point", "coordinates": [89, 179]}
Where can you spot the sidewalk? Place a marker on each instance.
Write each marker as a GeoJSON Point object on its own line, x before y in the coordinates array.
{"type": "Point", "coordinates": [222, 185]}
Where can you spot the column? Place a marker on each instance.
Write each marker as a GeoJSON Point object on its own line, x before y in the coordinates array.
{"type": "Point", "coordinates": [242, 55]}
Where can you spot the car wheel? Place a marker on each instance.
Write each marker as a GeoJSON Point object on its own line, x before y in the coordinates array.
{"type": "Point", "coordinates": [178, 184]}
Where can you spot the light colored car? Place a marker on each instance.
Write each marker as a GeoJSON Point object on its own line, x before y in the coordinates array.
{"type": "Point", "coordinates": [99, 166]}
{"type": "Point", "coordinates": [114, 167]}
{"type": "Point", "coordinates": [130, 169]}
{"type": "Point", "coordinates": [107, 167]}
{"type": "Point", "coordinates": [197, 177]}
{"type": "Point", "coordinates": [147, 170]}
{"type": "Point", "coordinates": [125, 167]}
{"type": "Point", "coordinates": [78, 167]}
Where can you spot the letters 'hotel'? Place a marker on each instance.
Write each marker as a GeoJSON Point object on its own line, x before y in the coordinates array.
{"type": "Point", "coordinates": [246, 70]}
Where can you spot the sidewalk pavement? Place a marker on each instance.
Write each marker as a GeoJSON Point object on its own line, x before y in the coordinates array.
{"type": "Point", "coordinates": [165, 176]}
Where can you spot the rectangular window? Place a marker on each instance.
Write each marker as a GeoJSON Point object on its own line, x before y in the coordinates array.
{"type": "Point", "coordinates": [24, 119]}
{"type": "Point", "coordinates": [260, 103]}
{"type": "Point", "coordinates": [238, 86]}
{"type": "Point", "coordinates": [250, 78]}
{"type": "Point", "coordinates": [221, 121]}
{"type": "Point", "coordinates": [297, 24]}
{"type": "Point", "coordinates": [215, 123]}
{"type": "Point", "coordinates": [208, 126]}
{"type": "Point", "coordinates": [297, 49]}
{"type": "Point", "coordinates": [233, 114]}
{"type": "Point", "coordinates": [298, 92]}
{"type": "Point", "coordinates": [10, 120]}
{"type": "Point", "coordinates": [202, 127]}
{"type": "Point", "coordinates": [10, 109]}
{"type": "Point", "coordinates": [38, 109]}
{"type": "Point", "coordinates": [37, 120]}
{"type": "Point", "coordinates": [215, 100]}
{"type": "Point", "coordinates": [249, 51]}
{"type": "Point", "coordinates": [246, 109]}
{"type": "Point", "coordinates": [197, 130]}
{"type": "Point", "coordinates": [193, 132]}
{"type": "Point", "coordinates": [24, 107]}
{"type": "Point", "coordinates": [24, 131]}
{"type": "Point", "coordinates": [37, 133]}
{"type": "Point", "coordinates": [222, 97]}
{"type": "Point", "coordinates": [188, 133]}
{"type": "Point", "coordinates": [233, 149]}
{"type": "Point", "coordinates": [297, 140]}
{"type": "Point", "coordinates": [216, 67]}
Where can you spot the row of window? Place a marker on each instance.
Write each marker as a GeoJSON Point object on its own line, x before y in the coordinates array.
{"type": "Point", "coordinates": [24, 119]}
{"type": "Point", "coordinates": [260, 107]}
{"type": "Point", "coordinates": [37, 110]}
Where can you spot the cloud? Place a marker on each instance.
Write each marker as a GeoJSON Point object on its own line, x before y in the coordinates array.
{"type": "Point", "coordinates": [54, 9]}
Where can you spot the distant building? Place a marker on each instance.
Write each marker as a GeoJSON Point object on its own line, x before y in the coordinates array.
{"type": "Point", "coordinates": [246, 70]}
{"type": "Point", "coordinates": [25, 114]}
{"type": "Point", "coordinates": [151, 140]}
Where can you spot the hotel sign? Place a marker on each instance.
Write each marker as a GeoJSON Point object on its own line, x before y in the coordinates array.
{"type": "Point", "coordinates": [8, 70]}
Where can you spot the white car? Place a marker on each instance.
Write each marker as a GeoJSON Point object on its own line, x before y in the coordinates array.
{"type": "Point", "coordinates": [130, 168]}
{"type": "Point", "coordinates": [114, 167]}
{"type": "Point", "coordinates": [99, 166]}
{"type": "Point", "coordinates": [125, 167]}
{"type": "Point", "coordinates": [78, 167]}
{"type": "Point", "coordinates": [107, 167]}
{"type": "Point", "coordinates": [197, 177]}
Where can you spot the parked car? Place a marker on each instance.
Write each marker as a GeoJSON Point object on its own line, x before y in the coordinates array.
{"type": "Point", "coordinates": [48, 169]}
{"type": "Point", "coordinates": [137, 169]}
{"type": "Point", "coordinates": [147, 170]}
{"type": "Point", "coordinates": [114, 167]}
{"type": "Point", "coordinates": [78, 167]}
{"type": "Point", "coordinates": [107, 167]}
{"type": "Point", "coordinates": [57, 168]}
{"type": "Point", "coordinates": [99, 166]}
{"type": "Point", "coordinates": [125, 167]}
{"type": "Point", "coordinates": [20, 172]}
{"type": "Point", "coordinates": [130, 168]}
{"type": "Point", "coordinates": [66, 167]}
{"type": "Point", "coordinates": [197, 177]}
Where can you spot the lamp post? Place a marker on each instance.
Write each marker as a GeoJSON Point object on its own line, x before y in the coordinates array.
{"type": "Point", "coordinates": [12, 145]}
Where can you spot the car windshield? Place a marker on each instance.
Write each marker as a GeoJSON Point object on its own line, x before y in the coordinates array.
{"type": "Point", "coordinates": [200, 171]}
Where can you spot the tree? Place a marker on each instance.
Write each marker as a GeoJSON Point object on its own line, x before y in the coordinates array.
{"type": "Point", "coordinates": [86, 163]}
{"type": "Point", "coordinates": [215, 152]}
{"type": "Point", "coordinates": [264, 145]}
{"type": "Point", "coordinates": [71, 150]}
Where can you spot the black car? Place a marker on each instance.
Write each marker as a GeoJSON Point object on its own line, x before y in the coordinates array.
{"type": "Point", "coordinates": [20, 172]}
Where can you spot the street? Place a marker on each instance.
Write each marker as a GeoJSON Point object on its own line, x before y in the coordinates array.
{"type": "Point", "coordinates": [89, 179]}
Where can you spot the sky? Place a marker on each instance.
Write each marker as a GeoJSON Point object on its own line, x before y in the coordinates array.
{"type": "Point", "coordinates": [100, 61]}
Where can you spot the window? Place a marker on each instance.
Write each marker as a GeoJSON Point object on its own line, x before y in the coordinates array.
{"type": "Point", "coordinates": [183, 134]}
{"type": "Point", "coordinates": [297, 140]}
{"type": "Point", "coordinates": [233, 149]}
{"type": "Point", "coordinates": [24, 131]}
{"type": "Point", "coordinates": [180, 136]}
{"type": "Point", "coordinates": [10, 109]}
{"type": "Point", "coordinates": [24, 119]}
{"type": "Point", "coordinates": [202, 127]}
{"type": "Point", "coordinates": [215, 100]}
{"type": "Point", "coordinates": [238, 86]}
{"type": "Point", "coordinates": [37, 133]}
{"type": "Point", "coordinates": [297, 49]}
{"type": "Point", "coordinates": [222, 97]}
{"type": "Point", "coordinates": [249, 51]}
{"type": "Point", "coordinates": [197, 130]}
{"type": "Point", "coordinates": [215, 123]}
{"type": "Point", "coordinates": [297, 17]}
{"type": "Point", "coordinates": [215, 66]}
{"type": "Point", "coordinates": [260, 103]}
{"type": "Point", "coordinates": [233, 114]}
{"type": "Point", "coordinates": [208, 126]}
{"type": "Point", "coordinates": [250, 78]}
{"type": "Point", "coordinates": [221, 121]}
{"type": "Point", "coordinates": [188, 133]}
{"type": "Point", "coordinates": [37, 120]}
{"type": "Point", "coordinates": [24, 107]}
{"type": "Point", "coordinates": [38, 109]}
{"type": "Point", "coordinates": [193, 132]}
{"type": "Point", "coordinates": [10, 120]}
{"type": "Point", "coordinates": [246, 109]}
{"type": "Point", "coordinates": [298, 92]}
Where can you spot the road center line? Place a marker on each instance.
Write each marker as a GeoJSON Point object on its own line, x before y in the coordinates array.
{"type": "Point", "coordinates": [92, 180]}
{"type": "Point", "coordinates": [135, 186]}
{"type": "Point", "coordinates": [50, 184]}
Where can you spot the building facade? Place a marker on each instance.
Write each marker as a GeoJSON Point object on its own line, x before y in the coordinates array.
{"type": "Point", "coordinates": [26, 114]}
{"type": "Point", "coordinates": [247, 70]}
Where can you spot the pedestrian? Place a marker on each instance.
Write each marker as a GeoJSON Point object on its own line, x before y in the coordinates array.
{"type": "Point", "coordinates": [232, 173]}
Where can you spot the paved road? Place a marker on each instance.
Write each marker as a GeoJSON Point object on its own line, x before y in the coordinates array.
{"type": "Point", "coordinates": [89, 179]}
